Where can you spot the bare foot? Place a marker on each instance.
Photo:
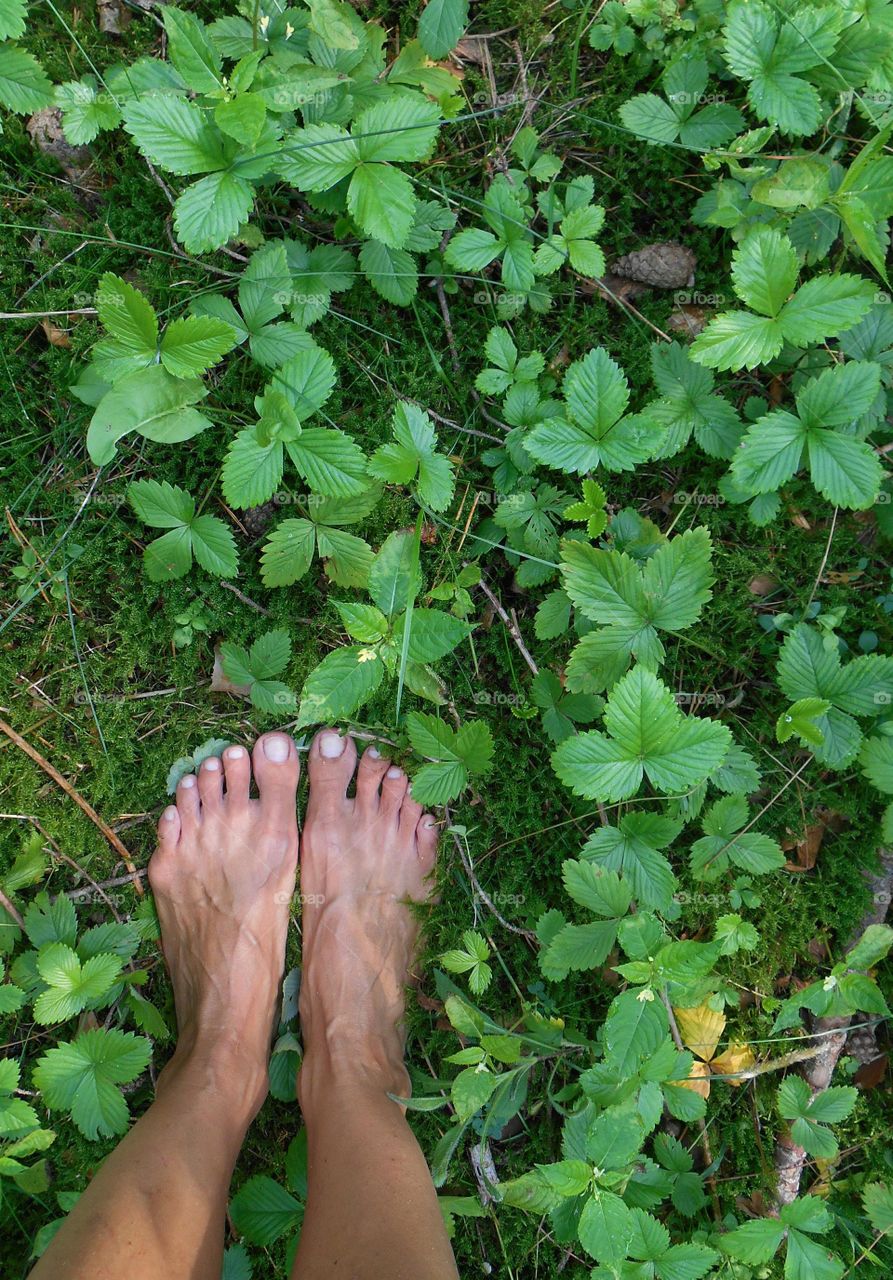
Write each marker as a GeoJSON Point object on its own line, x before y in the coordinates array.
{"type": "Point", "coordinates": [223, 877]}
{"type": "Point", "coordinates": [362, 861]}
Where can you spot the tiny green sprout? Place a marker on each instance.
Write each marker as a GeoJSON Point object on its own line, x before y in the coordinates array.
{"type": "Point", "coordinates": [591, 510]}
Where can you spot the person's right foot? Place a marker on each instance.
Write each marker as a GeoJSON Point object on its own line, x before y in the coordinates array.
{"type": "Point", "coordinates": [363, 861]}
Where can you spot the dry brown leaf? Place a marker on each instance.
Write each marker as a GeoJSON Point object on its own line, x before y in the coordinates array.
{"type": "Point", "coordinates": [112, 16]}
{"type": "Point", "coordinates": [55, 337]}
{"type": "Point", "coordinates": [221, 683]}
{"type": "Point", "coordinates": [763, 584]}
{"type": "Point", "coordinates": [614, 288]}
{"type": "Point", "coordinates": [871, 1074]}
{"type": "Point", "coordinates": [470, 49]}
{"type": "Point", "coordinates": [687, 320]}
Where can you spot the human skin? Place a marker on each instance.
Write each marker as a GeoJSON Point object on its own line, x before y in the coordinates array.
{"type": "Point", "coordinates": [223, 877]}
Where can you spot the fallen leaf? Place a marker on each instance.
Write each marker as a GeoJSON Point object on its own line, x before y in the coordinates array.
{"type": "Point", "coordinates": [687, 320]}
{"type": "Point", "coordinates": [840, 578]}
{"type": "Point", "coordinates": [220, 683]}
{"type": "Point", "coordinates": [700, 1029]}
{"type": "Point", "coordinates": [762, 585]}
{"type": "Point", "coordinates": [55, 337]}
{"type": "Point", "coordinates": [698, 1080]}
{"type": "Point", "coordinates": [870, 1074]}
{"type": "Point", "coordinates": [737, 1057]}
{"type": "Point", "coordinates": [614, 288]}
{"type": "Point", "coordinates": [112, 16]}
{"type": "Point", "coordinates": [45, 129]}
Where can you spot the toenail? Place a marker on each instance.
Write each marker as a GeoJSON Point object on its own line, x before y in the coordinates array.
{"type": "Point", "coordinates": [373, 753]}
{"type": "Point", "coordinates": [394, 772]}
{"type": "Point", "coordinates": [276, 747]}
{"type": "Point", "coordinates": [212, 764]}
{"type": "Point", "coordinates": [169, 814]}
{"type": "Point", "coordinates": [430, 823]}
{"type": "Point", "coordinates": [188, 780]}
{"type": "Point", "coordinates": [234, 753]}
{"type": "Point", "coordinates": [331, 745]}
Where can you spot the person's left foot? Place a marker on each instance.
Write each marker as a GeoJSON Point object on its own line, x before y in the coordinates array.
{"type": "Point", "coordinates": [223, 878]}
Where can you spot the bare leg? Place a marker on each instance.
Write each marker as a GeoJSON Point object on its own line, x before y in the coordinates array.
{"type": "Point", "coordinates": [372, 1210]}
{"type": "Point", "coordinates": [223, 877]}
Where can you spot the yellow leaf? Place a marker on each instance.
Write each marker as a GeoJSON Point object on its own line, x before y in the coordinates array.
{"type": "Point", "coordinates": [737, 1057]}
{"type": "Point", "coordinates": [700, 1029]}
{"type": "Point", "coordinates": [698, 1081]}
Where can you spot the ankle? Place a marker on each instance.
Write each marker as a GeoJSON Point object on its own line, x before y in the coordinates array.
{"type": "Point", "coordinates": [221, 1070]}
{"type": "Point", "coordinates": [346, 1060]}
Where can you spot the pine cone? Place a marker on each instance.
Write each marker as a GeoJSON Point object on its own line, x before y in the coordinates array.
{"type": "Point", "coordinates": [257, 519]}
{"type": "Point", "coordinates": [665, 266]}
{"type": "Point", "coordinates": [862, 1044]}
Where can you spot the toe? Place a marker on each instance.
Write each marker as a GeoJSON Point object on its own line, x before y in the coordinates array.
{"type": "Point", "coordinates": [187, 802]}
{"type": "Point", "coordinates": [330, 764]}
{"type": "Point", "coordinates": [210, 784]}
{"type": "Point", "coordinates": [393, 789]}
{"type": "Point", "coordinates": [410, 813]}
{"type": "Point", "coordinates": [237, 769]}
{"type": "Point", "coordinates": [276, 770]}
{"type": "Point", "coordinates": [427, 833]}
{"type": "Point", "coordinates": [169, 828]}
{"type": "Point", "coordinates": [373, 767]}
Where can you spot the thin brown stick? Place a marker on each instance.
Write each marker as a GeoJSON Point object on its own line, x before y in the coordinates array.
{"type": "Point", "coordinates": [11, 910]}
{"type": "Point", "coordinates": [512, 625]}
{"type": "Point", "coordinates": [482, 894]}
{"type": "Point", "coordinates": [116, 843]}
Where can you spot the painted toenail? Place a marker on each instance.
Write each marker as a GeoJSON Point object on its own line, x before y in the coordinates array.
{"type": "Point", "coordinates": [188, 781]}
{"type": "Point", "coordinates": [331, 745]}
{"type": "Point", "coordinates": [212, 764]}
{"type": "Point", "coordinates": [169, 814]}
{"type": "Point", "coordinates": [234, 753]}
{"type": "Point", "coordinates": [393, 772]}
{"type": "Point", "coordinates": [373, 753]}
{"type": "Point", "coordinates": [276, 747]}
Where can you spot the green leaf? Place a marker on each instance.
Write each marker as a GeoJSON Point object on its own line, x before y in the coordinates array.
{"type": "Point", "coordinates": [318, 156]}
{"type": "Point", "coordinates": [24, 86]}
{"type": "Point", "coordinates": [646, 736]}
{"type": "Point", "coordinates": [764, 270]}
{"type": "Point", "coordinates": [164, 506]}
{"type": "Point", "coordinates": [71, 986]}
{"type": "Point", "coordinates": [413, 455]}
{"type": "Point", "coordinates": [330, 462]}
{"type": "Point", "coordinates": [402, 127]}
{"type": "Point", "coordinates": [343, 681]}
{"type": "Point", "coordinates": [150, 402]}
{"type": "Point", "coordinates": [84, 115]}
{"type": "Point", "coordinates": [262, 1210]}
{"type": "Point", "coordinates": [192, 344]}
{"type": "Point", "coordinates": [605, 1228]}
{"type": "Point", "coordinates": [251, 470]}
{"type": "Point", "coordinates": [81, 1076]}
{"type": "Point", "coordinates": [211, 211]}
{"type": "Point", "coordinates": [172, 133]}
{"type": "Point", "coordinates": [441, 25]}
{"type": "Point", "coordinates": [381, 200]}
{"type": "Point", "coordinates": [127, 315]}
{"type": "Point", "coordinates": [191, 52]}
{"type": "Point", "coordinates": [394, 579]}
{"type": "Point", "coordinates": [288, 553]}
{"type": "Point", "coordinates": [391, 272]}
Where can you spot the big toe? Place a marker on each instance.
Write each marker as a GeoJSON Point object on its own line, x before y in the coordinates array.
{"type": "Point", "coordinates": [330, 764]}
{"type": "Point", "coordinates": [276, 772]}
